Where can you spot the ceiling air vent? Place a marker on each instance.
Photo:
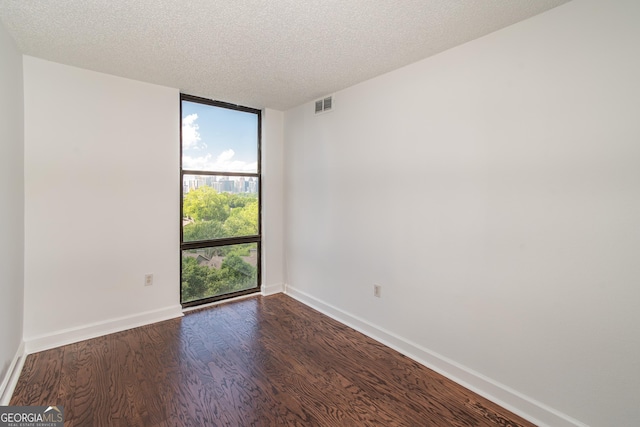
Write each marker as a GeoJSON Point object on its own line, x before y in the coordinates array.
{"type": "Point", "coordinates": [324, 105]}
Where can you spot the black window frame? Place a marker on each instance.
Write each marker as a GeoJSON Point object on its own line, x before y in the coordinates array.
{"type": "Point", "coordinates": [257, 239]}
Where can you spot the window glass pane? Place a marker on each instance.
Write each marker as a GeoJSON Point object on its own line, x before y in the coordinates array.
{"type": "Point", "coordinates": [218, 270]}
{"type": "Point", "coordinates": [216, 139]}
{"type": "Point", "coordinates": [216, 207]}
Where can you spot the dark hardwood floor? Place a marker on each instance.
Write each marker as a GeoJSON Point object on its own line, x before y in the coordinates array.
{"type": "Point", "coordinates": [260, 361]}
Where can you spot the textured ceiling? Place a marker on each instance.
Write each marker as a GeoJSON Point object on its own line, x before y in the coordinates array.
{"type": "Point", "coordinates": [259, 53]}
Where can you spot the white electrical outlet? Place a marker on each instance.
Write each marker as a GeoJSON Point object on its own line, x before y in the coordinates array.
{"type": "Point", "coordinates": [148, 279]}
{"type": "Point", "coordinates": [377, 291]}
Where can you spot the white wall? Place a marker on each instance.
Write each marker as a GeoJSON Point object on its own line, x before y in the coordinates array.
{"type": "Point", "coordinates": [11, 205]}
{"type": "Point", "coordinates": [273, 201]}
{"type": "Point", "coordinates": [494, 192]}
{"type": "Point", "coordinates": [101, 203]}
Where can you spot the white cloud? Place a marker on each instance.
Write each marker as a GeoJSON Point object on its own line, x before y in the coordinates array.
{"type": "Point", "coordinates": [190, 134]}
{"type": "Point", "coordinates": [224, 162]}
{"type": "Point", "coordinates": [226, 156]}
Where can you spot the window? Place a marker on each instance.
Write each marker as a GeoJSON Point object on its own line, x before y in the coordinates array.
{"type": "Point", "coordinates": [220, 239]}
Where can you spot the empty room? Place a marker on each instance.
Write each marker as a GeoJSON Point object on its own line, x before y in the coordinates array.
{"type": "Point", "coordinates": [408, 213]}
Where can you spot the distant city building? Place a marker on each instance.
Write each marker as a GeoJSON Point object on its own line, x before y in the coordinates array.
{"type": "Point", "coordinates": [220, 184]}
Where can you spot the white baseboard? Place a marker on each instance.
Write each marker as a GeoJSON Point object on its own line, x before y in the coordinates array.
{"type": "Point", "coordinates": [512, 400]}
{"type": "Point", "coordinates": [72, 335]}
{"type": "Point", "coordinates": [11, 377]}
{"type": "Point", "coordinates": [272, 289]}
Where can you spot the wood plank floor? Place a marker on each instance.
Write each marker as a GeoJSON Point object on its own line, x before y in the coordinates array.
{"type": "Point", "coordinates": [260, 361]}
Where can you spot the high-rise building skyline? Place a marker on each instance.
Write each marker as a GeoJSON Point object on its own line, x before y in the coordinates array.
{"type": "Point", "coordinates": [222, 184]}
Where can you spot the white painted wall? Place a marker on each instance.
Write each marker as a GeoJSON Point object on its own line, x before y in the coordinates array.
{"type": "Point", "coordinates": [273, 201]}
{"type": "Point", "coordinates": [494, 192]}
{"type": "Point", "coordinates": [11, 204]}
{"type": "Point", "coordinates": [101, 201]}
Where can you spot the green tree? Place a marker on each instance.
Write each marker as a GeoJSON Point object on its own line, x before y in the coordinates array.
{"type": "Point", "coordinates": [238, 273]}
{"type": "Point", "coordinates": [194, 279]}
{"type": "Point", "coordinates": [218, 215]}
{"type": "Point", "coordinates": [206, 204]}
{"type": "Point", "coordinates": [243, 221]}
{"type": "Point", "coordinates": [203, 230]}
{"type": "Point", "coordinates": [202, 281]}
{"type": "Point", "coordinates": [240, 200]}
{"type": "Point", "coordinates": [241, 250]}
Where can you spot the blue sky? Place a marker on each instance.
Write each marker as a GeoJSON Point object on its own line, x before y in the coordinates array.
{"type": "Point", "coordinates": [219, 139]}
